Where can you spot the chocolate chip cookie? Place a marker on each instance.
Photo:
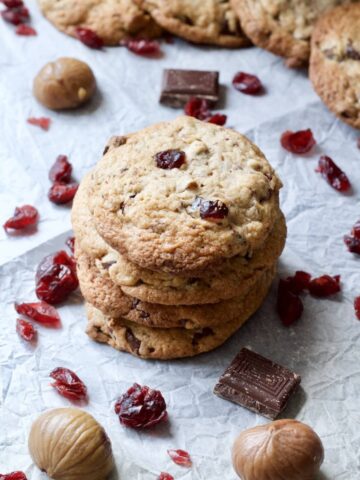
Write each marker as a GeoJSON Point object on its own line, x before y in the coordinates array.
{"type": "Point", "coordinates": [184, 195]}
{"type": "Point", "coordinates": [335, 62]}
{"type": "Point", "coordinates": [283, 27]}
{"type": "Point", "coordinates": [112, 20]}
{"type": "Point", "coordinates": [205, 21]}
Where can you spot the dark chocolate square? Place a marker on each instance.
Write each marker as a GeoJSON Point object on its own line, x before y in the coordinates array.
{"type": "Point", "coordinates": [180, 85]}
{"type": "Point", "coordinates": [257, 383]}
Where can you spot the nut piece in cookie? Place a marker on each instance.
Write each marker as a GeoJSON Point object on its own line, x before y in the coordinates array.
{"type": "Point", "coordinates": [64, 84]}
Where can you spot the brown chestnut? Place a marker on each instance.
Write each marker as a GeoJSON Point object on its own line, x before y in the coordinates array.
{"type": "Point", "coordinates": [64, 84]}
{"type": "Point", "coordinates": [280, 450]}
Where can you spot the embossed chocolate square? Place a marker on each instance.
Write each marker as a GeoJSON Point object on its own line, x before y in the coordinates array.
{"type": "Point", "coordinates": [257, 383]}
{"type": "Point", "coordinates": [181, 85]}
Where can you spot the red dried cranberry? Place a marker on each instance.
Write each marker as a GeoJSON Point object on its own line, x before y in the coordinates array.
{"type": "Point", "coordinates": [180, 457]}
{"type": "Point", "coordinates": [68, 384]}
{"type": "Point", "coordinates": [170, 159]}
{"type": "Point", "coordinates": [198, 108]}
{"type": "Point", "coordinates": [355, 232]}
{"type": "Point", "coordinates": [13, 3]}
{"type": "Point", "coordinates": [16, 16]}
{"type": "Point", "coordinates": [25, 30]}
{"type": "Point", "coordinates": [89, 37]}
{"type": "Point", "coordinates": [299, 282]}
{"type": "Point", "coordinates": [289, 305]}
{"type": "Point", "coordinates": [352, 243]}
{"type": "Point", "coordinates": [42, 122]}
{"type": "Point", "coordinates": [357, 307]}
{"type": "Point", "coordinates": [247, 83]}
{"type": "Point", "coordinates": [26, 330]}
{"type": "Point", "coordinates": [70, 242]}
{"type": "Point", "coordinates": [213, 210]}
{"type": "Point", "coordinates": [298, 142]}
{"type": "Point", "coordinates": [61, 193]}
{"type": "Point", "coordinates": [40, 312]}
{"type": "Point", "coordinates": [217, 119]}
{"type": "Point", "coordinates": [165, 476]}
{"type": "Point", "coordinates": [142, 47]}
{"type": "Point", "coordinates": [24, 217]}
{"type": "Point", "coordinates": [333, 174]}
{"type": "Point", "coordinates": [13, 476]}
{"type": "Point", "coordinates": [141, 407]}
{"type": "Point", "coordinates": [325, 286]}
{"type": "Point", "coordinates": [61, 170]}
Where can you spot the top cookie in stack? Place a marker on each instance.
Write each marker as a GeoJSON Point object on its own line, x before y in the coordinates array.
{"type": "Point", "coordinates": [173, 218]}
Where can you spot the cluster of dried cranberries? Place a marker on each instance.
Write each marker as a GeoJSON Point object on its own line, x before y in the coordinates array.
{"type": "Point", "coordinates": [63, 189]}
{"type": "Point", "coordinates": [40, 312]}
{"type": "Point", "coordinates": [13, 476]}
{"type": "Point", "coordinates": [17, 14]}
{"type": "Point", "coordinates": [68, 384]}
{"type": "Point", "coordinates": [289, 303]}
{"type": "Point", "coordinates": [200, 109]}
{"type": "Point", "coordinates": [352, 241]}
{"type": "Point", "coordinates": [24, 217]}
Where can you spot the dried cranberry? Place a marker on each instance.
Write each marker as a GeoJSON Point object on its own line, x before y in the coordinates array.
{"type": "Point", "coordinates": [42, 122]}
{"type": "Point", "coordinates": [352, 243]}
{"type": "Point", "coordinates": [25, 30]}
{"type": "Point", "coordinates": [23, 217]}
{"type": "Point", "coordinates": [198, 108]}
{"type": "Point", "coordinates": [325, 286]}
{"type": "Point", "coordinates": [61, 193]}
{"type": "Point", "coordinates": [13, 476]}
{"type": "Point", "coordinates": [70, 242]}
{"type": "Point", "coordinates": [26, 330]}
{"type": "Point", "coordinates": [56, 277]}
{"type": "Point", "coordinates": [40, 312]}
{"type": "Point", "coordinates": [141, 407]}
{"type": "Point", "coordinates": [16, 16]}
{"type": "Point", "coordinates": [247, 83]}
{"type": "Point", "coordinates": [355, 232]}
{"type": "Point", "coordinates": [68, 384]}
{"type": "Point", "coordinates": [180, 457]}
{"type": "Point", "coordinates": [299, 282]}
{"type": "Point", "coordinates": [333, 174]}
{"type": "Point", "coordinates": [13, 3]}
{"type": "Point", "coordinates": [357, 307]}
{"type": "Point", "coordinates": [142, 47]}
{"type": "Point", "coordinates": [61, 170]}
{"type": "Point", "coordinates": [89, 37]}
{"type": "Point", "coordinates": [213, 210]}
{"type": "Point", "coordinates": [170, 159]}
{"type": "Point", "coordinates": [217, 119]}
{"type": "Point", "coordinates": [298, 142]}
{"type": "Point", "coordinates": [289, 305]}
{"type": "Point", "coordinates": [165, 476]}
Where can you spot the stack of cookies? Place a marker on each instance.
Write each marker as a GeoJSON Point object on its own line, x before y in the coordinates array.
{"type": "Point", "coordinates": [178, 231]}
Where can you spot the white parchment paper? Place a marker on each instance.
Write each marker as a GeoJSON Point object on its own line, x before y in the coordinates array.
{"type": "Point", "coordinates": [323, 347]}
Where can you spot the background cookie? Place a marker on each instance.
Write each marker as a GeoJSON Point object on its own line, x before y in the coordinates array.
{"type": "Point", "coordinates": [335, 62]}
{"type": "Point", "coordinates": [112, 20]}
{"type": "Point", "coordinates": [199, 21]}
{"type": "Point", "coordinates": [282, 27]}
{"type": "Point", "coordinates": [168, 343]}
{"type": "Point", "coordinates": [152, 215]}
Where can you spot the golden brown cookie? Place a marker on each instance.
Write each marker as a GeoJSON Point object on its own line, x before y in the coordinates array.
{"type": "Point", "coordinates": [181, 196]}
{"type": "Point", "coordinates": [165, 344]}
{"type": "Point", "coordinates": [98, 289]}
{"type": "Point", "coordinates": [283, 27]}
{"type": "Point", "coordinates": [198, 21]}
{"type": "Point", "coordinates": [335, 62]}
{"type": "Point", "coordinates": [112, 20]}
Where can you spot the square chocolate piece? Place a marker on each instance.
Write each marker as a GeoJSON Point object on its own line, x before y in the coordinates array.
{"type": "Point", "coordinates": [180, 85]}
{"type": "Point", "coordinates": [257, 383]}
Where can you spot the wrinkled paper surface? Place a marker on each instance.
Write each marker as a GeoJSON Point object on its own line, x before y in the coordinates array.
{"type": "Point", "coordinates": [323, 347]}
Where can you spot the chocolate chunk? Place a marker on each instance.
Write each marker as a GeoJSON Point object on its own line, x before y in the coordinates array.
{"type": "Point", "coordinates": [352, 53]}
{"type": "Point", "coordinates": [257, 383]}
{"type": "Point", "coordinates": [180, 85]}
{"type": "Point", "coordinates": [134, 342]}
{"type": "Point", "coordinates": [205, 332]}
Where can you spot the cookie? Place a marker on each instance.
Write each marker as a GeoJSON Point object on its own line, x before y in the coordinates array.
{"type": "Point", "coordinates": [98, 289]}
{"type": "Point", "coordinates": [165, 344]}
{"type": "Point", "coordinates": [112, 20]}
{"type": "Point", "coordinates": [233, 278]}
{"type": "Point", "coordinates": [205, 21]}
{"type": "Point", "coordinates": [335, 62]}
{"type": "Point", "coordinates": [283, 27]}
{"type": "Point", "coordinates": [220, 202]}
